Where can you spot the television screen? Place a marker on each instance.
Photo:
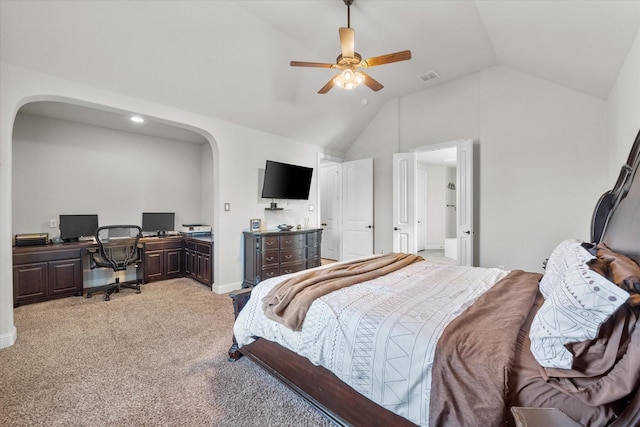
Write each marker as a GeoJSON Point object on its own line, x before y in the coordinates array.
{"type": "Point", "coordinates": [158, 221]}
{"type": "Point", "coordinates": [285, 181]}
{"type": "Point", "coordinates": [73, 227]}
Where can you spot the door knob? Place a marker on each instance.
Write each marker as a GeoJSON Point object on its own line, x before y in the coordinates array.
{"type": "Point", "coordinates": [467, 232]}
{"type": "Point", "coordinates": [369, 226]}
{"type": "Point", "coordinates": [396, 229]}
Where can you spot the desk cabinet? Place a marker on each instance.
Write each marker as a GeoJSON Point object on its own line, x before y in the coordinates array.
{"type": "Point", "coordinates": [271, 254]}
{"type": "Point", "coordinates": [40, 274]}
{"type": "Point", "coordinates": [163, 259]}
{"type": "Point", "coordinates": [198, 261]}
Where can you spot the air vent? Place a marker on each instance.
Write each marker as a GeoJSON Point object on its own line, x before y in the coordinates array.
{"type": "Point", "coordinates": [429, 75]}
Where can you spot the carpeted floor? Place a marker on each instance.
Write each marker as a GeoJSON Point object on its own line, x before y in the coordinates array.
{"type": "Point", "coordinates": [158, 358]}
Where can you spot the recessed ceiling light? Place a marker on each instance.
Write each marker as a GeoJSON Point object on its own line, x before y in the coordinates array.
{"type": "Point", "coordinates": [364, 101]}
{"type": "Point", "coordinates": [137, 119]}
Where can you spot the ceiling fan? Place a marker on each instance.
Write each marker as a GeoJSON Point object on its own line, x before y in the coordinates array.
{"type": "Point", "coordinates": [349, 62]}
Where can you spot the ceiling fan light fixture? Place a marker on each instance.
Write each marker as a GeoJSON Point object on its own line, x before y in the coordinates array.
{"type": "Point", "coordinates": [348, 79]}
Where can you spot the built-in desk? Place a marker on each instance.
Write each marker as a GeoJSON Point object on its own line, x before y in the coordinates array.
{"type": "Point", "coordinates": [46, 272]}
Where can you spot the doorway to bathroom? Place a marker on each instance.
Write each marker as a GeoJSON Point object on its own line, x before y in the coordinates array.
{"type": "Point", "coordinates": [433, 201]}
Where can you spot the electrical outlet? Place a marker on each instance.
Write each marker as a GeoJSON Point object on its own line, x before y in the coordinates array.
{"type": "Point", "coordinates": [53, 223]}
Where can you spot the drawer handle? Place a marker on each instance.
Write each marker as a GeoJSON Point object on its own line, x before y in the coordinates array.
{"type": "Point", "coordinates": [288, 242]}
{"type": "Point", "coordinates": [269, 274]}
{"type": "Point", "coordinates": [268, 243]}
{"type": "Point", "coordinates": [288, 271]}
{"type": "Point", "coordinates": [269, 258]}
{"type": "Point", "coordinates": [288, 256]}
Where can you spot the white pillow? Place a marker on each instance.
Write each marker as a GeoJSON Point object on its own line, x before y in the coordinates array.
{"type": "Point", "coordinates": [577, 304]}
{"type": "Point", "coordinates": [562, 256]}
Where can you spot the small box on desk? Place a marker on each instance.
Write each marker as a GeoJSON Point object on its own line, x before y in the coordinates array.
{"type": "Point", "coordinates": [33, 239]}
{"type": "Point", "coordinates": [195, 229]}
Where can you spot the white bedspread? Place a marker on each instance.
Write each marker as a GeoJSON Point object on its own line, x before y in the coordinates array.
{"type": "Point", "coordinates": [380, 336]}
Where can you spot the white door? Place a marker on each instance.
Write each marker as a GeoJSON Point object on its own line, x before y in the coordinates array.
{"type": "Point", "coordinates": [404, 202]}
{"type": "Point", "coordinates": [357, 209]}
{"type": "Point", "coordinates": [464, 196]}
{"type": "Point", "coordinates": [330, 190]}
{"type": "Point", "coordinates": [422, 209]}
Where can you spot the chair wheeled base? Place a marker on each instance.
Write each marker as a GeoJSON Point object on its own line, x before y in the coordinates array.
{"type": "Point", "coordinates": [114, 287]}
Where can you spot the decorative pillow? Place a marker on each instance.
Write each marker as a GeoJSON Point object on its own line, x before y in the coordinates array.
{"type": "Point", "coordinates": [558, 261]}
{"type": "Point", "coordinates": [621, 267]}
{"type": "Point", "coordinates": [576, 305]}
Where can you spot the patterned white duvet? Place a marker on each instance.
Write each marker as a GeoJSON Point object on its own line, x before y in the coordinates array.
{"type": "Point", "coordinates": [380, 336]}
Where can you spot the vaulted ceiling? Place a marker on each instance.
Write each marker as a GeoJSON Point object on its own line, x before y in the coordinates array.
{"type": "Point", "coordinates": [230, 59]}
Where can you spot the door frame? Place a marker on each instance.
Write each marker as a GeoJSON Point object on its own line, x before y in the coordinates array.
{"type": "Point", "coordinates": [464, 175]}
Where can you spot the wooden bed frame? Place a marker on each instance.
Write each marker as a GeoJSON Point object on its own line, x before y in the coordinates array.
{"type": "Point", "coordinates": [616, 221]}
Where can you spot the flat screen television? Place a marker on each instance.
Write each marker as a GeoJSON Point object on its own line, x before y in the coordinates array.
{"type": "Point", "coordinates": [158, 221]}
{"type": "Point", "coordinates": [285, 181]}
{"type": "Point", "coordinates": [74, 227]}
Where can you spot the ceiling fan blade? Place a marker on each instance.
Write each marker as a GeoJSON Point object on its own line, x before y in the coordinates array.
{"type": "Point", "coordinates": [387, 59]}
{"type": "Point", "coordinates": [347, 36]}
{"type": "Point", "coordinates": [326, 88]}
{"type": "Point", "coordinates": [372, 83]}
{"type": "Point", "coordinates": [310, 64]}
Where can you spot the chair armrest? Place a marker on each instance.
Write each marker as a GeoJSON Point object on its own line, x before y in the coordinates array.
{"type": "Point", "coordinates": [541, 417]}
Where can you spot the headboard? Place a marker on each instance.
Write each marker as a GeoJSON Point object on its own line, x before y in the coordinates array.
{"type": "Point", "coordinates": [616, 220]}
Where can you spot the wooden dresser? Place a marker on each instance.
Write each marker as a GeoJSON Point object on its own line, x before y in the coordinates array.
{"type": "Point", "coordinates": [274, 253]}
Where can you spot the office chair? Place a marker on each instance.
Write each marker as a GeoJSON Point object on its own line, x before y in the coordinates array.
{"type": "Point", "coordinates": [118, 247]}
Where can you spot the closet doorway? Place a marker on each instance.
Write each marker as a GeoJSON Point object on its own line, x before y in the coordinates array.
{"type": "Point", "coordinates": [345, 191]}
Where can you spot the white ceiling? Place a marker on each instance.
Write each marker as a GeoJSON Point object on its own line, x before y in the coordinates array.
{"type": "Point", "coordinates": [230, 59]}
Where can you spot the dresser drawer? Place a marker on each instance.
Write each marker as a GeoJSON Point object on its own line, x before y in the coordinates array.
{"type": "Point", "coordinates": [314, 263]}
{"type": "Point", "coordinates": [293, 268]}
{"type": "Point", "coordinates": [292, 255]}
{"type": "Point", "coordinates": [313, 252]}
{"type": "Point", "coordinates": [268, 273]}
{"type": "Point", "coordinates": [270, 242]}
{"type": "Point", "coordinates": [292, 241]}
{"type": "Point", "coordinates": [313, 239]}
{"type": "Point", "coordinates": [270, 258]}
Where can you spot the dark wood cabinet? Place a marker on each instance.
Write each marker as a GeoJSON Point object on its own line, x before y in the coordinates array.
{"type": "Point", "coordinates": [198, 260]}
{"type": "Point", "coordinates": [274, 253]}
{"type": "Point", "coordinates": [44, 273]}
{"type": "Point", "coordinates": [162, 259]}
{"type": "Point", "coordinates": [41, 273]}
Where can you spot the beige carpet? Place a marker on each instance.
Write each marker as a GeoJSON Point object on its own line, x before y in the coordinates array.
{"type": "Point", "coordinates": [158, 358]}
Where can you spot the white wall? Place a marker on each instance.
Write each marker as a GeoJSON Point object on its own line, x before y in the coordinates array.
{"type": "Point", "coordinates": [623, 111]}
{"type": "Point", "coordinates": [61, 167]}
{"type": "Point", "coordinates": [538, 147]}
{"type": "Point", "coordinates": [235, 155]}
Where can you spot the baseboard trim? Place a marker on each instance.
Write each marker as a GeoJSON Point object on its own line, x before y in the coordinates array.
{"type": "Point", "coordinates": [225, 289]}
{"type": "Point", "coordinates": [8, 339]}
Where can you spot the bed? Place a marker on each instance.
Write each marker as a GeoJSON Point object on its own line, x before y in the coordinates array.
{"type": "Point", "coordinates": [466, 345]}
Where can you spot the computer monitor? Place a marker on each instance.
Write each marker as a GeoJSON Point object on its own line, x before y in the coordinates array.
{"type": "Point", "coordinates": [74, 227]}
{"type": "Point", "coordinates": [158, 222]}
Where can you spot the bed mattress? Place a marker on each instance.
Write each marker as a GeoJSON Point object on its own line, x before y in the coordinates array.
{"type": "Point", "coordinates": [379, 336]}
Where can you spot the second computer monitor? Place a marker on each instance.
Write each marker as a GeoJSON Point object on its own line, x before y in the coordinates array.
{"type": "Point", "coordinates": [160, 222]}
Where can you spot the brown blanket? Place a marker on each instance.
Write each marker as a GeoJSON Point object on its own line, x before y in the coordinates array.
{"type": "Point", "coordinates": [289, 301]}
{"type": "Point", "coordinates": [474, 353]}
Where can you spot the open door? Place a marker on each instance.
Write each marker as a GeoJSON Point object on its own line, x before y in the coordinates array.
{"type": "Point", "coordinates": [404, 202]}
{"type": "Point", "coordinates": [464, 200]}
{"type": "Point", "coordinates": [405, 199]}
{"type": "Point", "coordinates": [357, 209]}
{"type": "Point", "coordinates": [330, 211]}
